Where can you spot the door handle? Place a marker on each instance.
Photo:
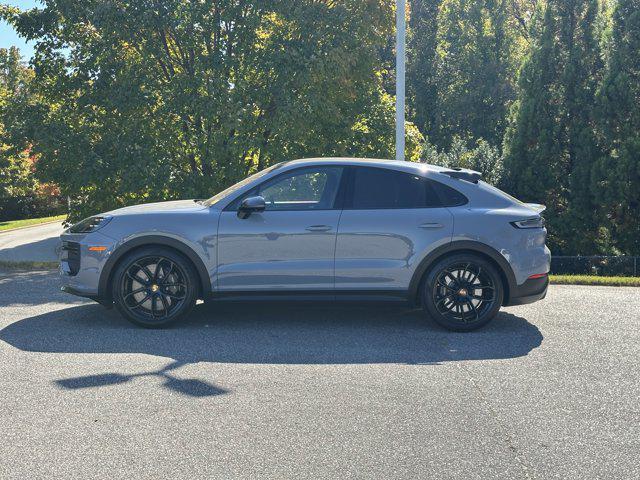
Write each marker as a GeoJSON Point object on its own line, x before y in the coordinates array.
{"type": "Point", "coordinates": [318, 228]}
{"type": "Point", "coordinates": [431, 225]}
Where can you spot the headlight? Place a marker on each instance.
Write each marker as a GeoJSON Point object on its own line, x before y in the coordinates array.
{"type": "Point", "coordinates": [536, 222]}
{"type": "Point", "coordinates": [90, 224]}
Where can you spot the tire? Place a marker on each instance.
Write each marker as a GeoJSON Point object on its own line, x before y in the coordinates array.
{"type": "Point", "coordinates": [452, 293]}
{"type": "Point", "coordinates": [154, 287]}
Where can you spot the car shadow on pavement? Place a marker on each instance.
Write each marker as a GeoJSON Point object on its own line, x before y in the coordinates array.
{"type": "Point", "coordinates": [298, 333]}
{"type": "Point", "coordinates": [42, 250]}
{"type": "Point", "coordinates": [17, 287]}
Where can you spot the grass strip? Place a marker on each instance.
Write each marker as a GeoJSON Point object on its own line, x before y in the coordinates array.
{"type": "Point", "coordinates": [594, 280]}
{"type": "Point", "coordinates": [29, 222]}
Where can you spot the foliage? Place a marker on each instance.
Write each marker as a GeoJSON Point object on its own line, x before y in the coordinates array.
{"type": "Point", "coordinates": [15, 162]}
{"type": "Point", "coordinates": [475, 65]}
{"type": "Point", "coordinates": [21, 195]}
{"type": "Point", "coordinates": [484, 158]}
{"type": "Point", "coordinates": [616, 178]}
{"type": "Point", "coordinates": [464, 56]}
{"type": "Point", "coordinates": [550, 148]}
{"type": "Point", "coordinates": [151, 100]}
{"type": "Point", "coordinates": [421, 54]}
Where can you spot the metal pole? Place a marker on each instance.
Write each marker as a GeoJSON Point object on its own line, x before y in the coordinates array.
{"type": "Point", "coordinates": [401, 37]}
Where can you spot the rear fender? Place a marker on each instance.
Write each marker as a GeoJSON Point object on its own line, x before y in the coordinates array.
{"type": "Point", "coordinates": [460, 246]}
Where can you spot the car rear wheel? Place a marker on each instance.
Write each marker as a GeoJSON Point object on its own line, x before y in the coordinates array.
{"type": "Point", "coordinates": [462, 292]}
{"type": "Point", "coordinates": [154, 287]}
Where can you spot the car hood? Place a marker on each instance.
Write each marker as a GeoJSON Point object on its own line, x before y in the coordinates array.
{"type": "Point", "coordinates": [182, 206]}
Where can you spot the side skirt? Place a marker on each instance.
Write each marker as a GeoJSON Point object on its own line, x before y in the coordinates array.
{"type": "Point", "coordinates": [312, 296]}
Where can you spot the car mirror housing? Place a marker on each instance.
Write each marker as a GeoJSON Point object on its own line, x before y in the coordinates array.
{"type": "Point", "coordinates": [251, 205]}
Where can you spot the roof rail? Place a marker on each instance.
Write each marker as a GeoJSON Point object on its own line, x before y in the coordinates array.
{"type": "Point", "coordinates": [464, 174]}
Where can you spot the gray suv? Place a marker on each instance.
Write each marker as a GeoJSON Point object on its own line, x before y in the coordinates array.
{"type": "Point", "coordinates": [333, 228]}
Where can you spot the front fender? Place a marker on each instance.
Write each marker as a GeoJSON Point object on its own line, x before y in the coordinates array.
{"type": "Point", "coordinates": [104, 291]}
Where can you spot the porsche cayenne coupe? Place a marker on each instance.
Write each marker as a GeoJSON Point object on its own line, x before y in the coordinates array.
{"type": "Point", "coordinates": [333, 229]}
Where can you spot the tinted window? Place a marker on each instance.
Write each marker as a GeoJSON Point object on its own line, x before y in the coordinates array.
{"type": "Point", "coordinates": [375, 188]}
{"type": "Point", "coordinates": [450, 196]}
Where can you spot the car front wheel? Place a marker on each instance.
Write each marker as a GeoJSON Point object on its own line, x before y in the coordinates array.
{"type": "Point", "coordinates": [462, 292]}
{"type": "Point", "coordinates": [154, 287]}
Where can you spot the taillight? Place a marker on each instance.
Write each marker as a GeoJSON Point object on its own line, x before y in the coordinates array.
{"type": "Point", "coordinates": [535, 222]}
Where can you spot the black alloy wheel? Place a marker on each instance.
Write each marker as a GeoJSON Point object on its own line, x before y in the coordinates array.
{"type": "Point", "coordinates": [463, 292]}
{"type": "Point", "coordinates": [154, 287]}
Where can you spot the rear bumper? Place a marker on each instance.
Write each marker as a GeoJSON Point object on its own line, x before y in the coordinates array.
{"type": "Point", "coordinates": [530, 291]}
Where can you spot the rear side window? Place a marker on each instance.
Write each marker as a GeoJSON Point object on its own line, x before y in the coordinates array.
{"type": "Point", "coordinates": [377, 188]}
{"type": "Point", "coordinates": [450, 196]}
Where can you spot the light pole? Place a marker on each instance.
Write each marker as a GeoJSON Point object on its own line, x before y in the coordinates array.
{"type": "Point", "coordinates": [401, 38]}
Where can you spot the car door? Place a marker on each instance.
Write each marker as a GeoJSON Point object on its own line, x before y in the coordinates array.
{"type": "Point", "coordinates": [289, 246]}
{"type": "Point", "coordinates": [391, 220]}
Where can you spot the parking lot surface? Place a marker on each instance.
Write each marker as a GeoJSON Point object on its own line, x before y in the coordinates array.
{"type": "Point", "coordinates": [549, 390]}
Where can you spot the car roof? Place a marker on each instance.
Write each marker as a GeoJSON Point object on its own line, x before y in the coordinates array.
{"type": "Point", "coordinates": [406, 166]}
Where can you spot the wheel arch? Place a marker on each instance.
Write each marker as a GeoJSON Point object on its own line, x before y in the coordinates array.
{"type": "Point", "coordinates": [463, 246]}
{"type": "Point", "coordinates": [104, 284]}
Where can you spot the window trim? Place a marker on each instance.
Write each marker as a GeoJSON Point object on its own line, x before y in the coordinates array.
{"type": "Point", "coordinates": [337, 201]}
{"type": "Point", "coordinates": [348, 201]}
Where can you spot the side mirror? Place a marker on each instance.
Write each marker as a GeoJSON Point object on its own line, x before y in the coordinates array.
{"type": "Point", "coordinates": [251, 205]}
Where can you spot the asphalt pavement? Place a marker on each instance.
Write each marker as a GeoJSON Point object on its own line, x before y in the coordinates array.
{"type": "Point", "coordinates": [34, 244]}
{"type": "Point", "coordinates": [252, 391]}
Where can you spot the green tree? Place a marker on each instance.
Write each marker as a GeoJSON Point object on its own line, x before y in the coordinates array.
{"type": "Point", "coordinates": [16, 176]}
{"type": "Point", "coordinates": [148, 100]}
{"type": "Point", "coordinates": [476, 63]}
{"type": "Point", "coordinates": [616, 179]}
{"type": "Point", "coordinates": [421, 56]}
{"type": "Point", "coordinates": [483, 158]}
{"type": "Point", "coordinates": [550, 148]}
{"type": "Point", "coordinates": [463, 57]}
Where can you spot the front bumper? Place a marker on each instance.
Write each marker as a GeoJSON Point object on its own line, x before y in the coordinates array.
{"type": "Point", "coordinates": [530, 291]}
{"type": "Point", "coordinates": [79, 293]}
{"type": "Point", "coordinates": [80, 267]}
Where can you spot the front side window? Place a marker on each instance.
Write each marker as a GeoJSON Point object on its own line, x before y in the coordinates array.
{"type": "Point", "coordinates": [377, 188]}
{"type": "Point", "coordinates": [313, 188]}
{"type": "Point", "coordinates": [307, 189]}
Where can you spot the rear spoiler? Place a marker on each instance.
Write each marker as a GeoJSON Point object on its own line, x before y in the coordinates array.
{"type": "Point", "coordinates": [537, 207]}
{"type": "Point", "coordinates": [463, 174]}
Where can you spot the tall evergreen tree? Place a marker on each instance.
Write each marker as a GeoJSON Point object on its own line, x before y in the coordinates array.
{"type": "Point", "coordinates": [463, 58]}
{"type": "Point", "coordinates": [421, 78]}
{"type": "Point", "coordinates": [617, 178]}
{"type": "Point", "coordinates": [476, 62]}
{"type": "Point", "coordinates": [551, 146]}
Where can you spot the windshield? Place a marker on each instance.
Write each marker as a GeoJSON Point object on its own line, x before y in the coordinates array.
{"type": "Point", "coordinates": [239, 185]}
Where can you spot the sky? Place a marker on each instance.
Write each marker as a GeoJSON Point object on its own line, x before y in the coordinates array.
{"type": "Point", "coordinates": [9, 37]}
